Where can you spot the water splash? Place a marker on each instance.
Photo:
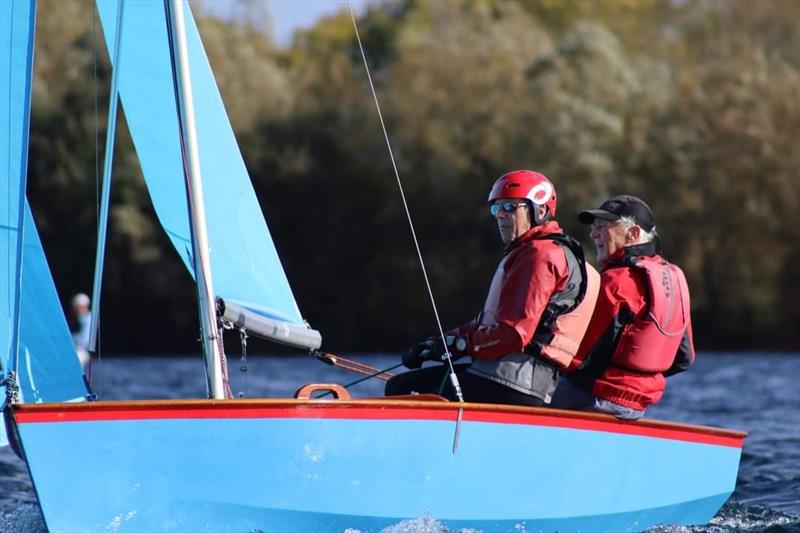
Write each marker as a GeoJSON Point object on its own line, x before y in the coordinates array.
{"type": "Point", "coordinates": [422, 524]}
{"type": "Point", "coordinates": [736, 517]}
{"type": "Point", "coordinates": [24, 517]}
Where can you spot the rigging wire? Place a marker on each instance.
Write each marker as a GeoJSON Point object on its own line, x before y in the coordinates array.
{"type": "Point", "coordinates": [243, 365]}
{"type": "Point", "coordinates": [453, 378]}
{"type": "Point", "coordinates": [96, 311]}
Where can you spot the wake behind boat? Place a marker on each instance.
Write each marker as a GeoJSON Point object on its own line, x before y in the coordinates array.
{"type": "Point", "coordinates": [297, 464]}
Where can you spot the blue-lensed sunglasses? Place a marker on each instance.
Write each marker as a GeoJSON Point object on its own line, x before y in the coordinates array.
{"type": "Point", "coordinates": [507, 207]}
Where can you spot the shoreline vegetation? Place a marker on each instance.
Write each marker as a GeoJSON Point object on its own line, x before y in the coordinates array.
{"type": "Point", "coordinates": [694, 106]}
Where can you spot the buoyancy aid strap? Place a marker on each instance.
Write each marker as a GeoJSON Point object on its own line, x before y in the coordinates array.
{"type": "Point", "coordinates": [565, 300]}
{"type": "Point", "coordinates": [575, 290]}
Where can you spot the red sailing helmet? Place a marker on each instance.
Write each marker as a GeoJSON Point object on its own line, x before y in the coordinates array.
{"type": "Point", "coordinates": [525, 185]}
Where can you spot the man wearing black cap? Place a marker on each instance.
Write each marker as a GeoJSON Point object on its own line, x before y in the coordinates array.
{"type": "Point", "coordinates": [641, 329]}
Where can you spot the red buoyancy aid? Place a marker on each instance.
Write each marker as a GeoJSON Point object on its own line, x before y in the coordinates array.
{"type": "Point", "coordinates": [570, 327]}
{"type": "Point", "coordinates": [561, 324]}
{"type": "Point", "coordinates": [564, 322]}
{"type": "Point", "coordinates": [649, 345]}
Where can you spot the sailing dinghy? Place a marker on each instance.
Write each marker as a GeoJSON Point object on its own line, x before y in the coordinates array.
{"type": "Point", "coordinates": [295, 464]}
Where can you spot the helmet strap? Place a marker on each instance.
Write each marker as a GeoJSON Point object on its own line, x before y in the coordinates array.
{"type": "Point", "coordinates": [539, 220]}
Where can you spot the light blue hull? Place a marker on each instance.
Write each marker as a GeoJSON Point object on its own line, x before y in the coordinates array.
{"type": "Point", "coordinates": [298, 466]}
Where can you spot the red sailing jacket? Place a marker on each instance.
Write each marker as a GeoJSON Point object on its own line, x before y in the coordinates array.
{"type": "Point", "coordinates": [640, 331]}
{"type": "Point", "coordinates": [533, 269]}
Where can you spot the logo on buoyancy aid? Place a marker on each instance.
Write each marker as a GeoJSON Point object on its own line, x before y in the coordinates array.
{"type": "Point", "coordinates": [566, 317]}
{"type": "Point", "coordinates": [665, 282]}
{"type": "Point", "coordinates": [488, 344]}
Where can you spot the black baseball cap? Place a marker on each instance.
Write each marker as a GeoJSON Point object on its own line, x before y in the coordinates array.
{"type": "Point", "coordinates": [621, 206]}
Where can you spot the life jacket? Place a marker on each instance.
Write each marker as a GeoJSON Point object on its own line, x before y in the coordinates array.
{"type": "Point", "coordinates": [649, 345]}
{"type": "Point", "coordinates": [567, 315]}
{"type": "Point", "coordinates": [558, 335]}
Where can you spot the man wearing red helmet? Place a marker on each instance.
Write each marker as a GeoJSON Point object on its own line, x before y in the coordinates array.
{"type": "Point", "coordinates": [641, 328]}
{"type": "Point", "coordinates": [539, 304]}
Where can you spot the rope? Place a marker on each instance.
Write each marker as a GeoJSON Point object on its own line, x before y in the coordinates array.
{"type": "Point", "coordinates": [359, 380]}
{"type": "Point", "coordinates": [453, 377]}
{"type": "Point", "coordinates": [352, 366]}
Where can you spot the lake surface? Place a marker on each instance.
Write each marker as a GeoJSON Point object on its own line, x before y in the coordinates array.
{"type": "Point", "coordinates": [755, 392]}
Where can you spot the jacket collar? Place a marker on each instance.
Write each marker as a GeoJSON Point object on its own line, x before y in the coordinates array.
{"type": "Point", "coordinates": [536, 232]}
{"type": "Point", "coordinates": [628, 254]}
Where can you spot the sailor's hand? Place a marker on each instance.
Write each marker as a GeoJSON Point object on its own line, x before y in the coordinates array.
{"type": "Point", "coordinates": [433, 350]}
{"type": "Point", "coordinates": [414, 356]}
{"type": "Point", "coordinates": [457, 346]}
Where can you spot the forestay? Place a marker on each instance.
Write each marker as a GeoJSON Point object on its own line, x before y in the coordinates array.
{"type": "Point", "coordinates": [246, 270]}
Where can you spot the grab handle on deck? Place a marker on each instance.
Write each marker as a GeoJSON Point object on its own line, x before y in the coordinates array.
{"type": "Point", "coordinates": [305, 392]}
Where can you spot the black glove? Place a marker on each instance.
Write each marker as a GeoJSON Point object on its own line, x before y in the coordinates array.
{"type": "Point", "coordinates": [424, 351]}
{"type": "Point", "coordinates": [433, 350]}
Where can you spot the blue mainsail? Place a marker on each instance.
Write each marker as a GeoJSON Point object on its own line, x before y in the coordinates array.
{"type": "Point", "coordinates": [246, 269]}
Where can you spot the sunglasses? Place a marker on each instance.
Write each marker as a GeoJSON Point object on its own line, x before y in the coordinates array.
{"type": "Point", "coordinates": [507, 207]}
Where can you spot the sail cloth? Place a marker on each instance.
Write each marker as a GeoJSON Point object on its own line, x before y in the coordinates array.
{"type": "Point", "coordinates": [16, 60]}
{"type": "Point", "coordinates": [16, 57]}
{"type": "Point", "coordinates": [48, 368]}
{"type": "Point", "coordinates": [34, 336]}
{"type": "Point", "coordinates": [246, 270]}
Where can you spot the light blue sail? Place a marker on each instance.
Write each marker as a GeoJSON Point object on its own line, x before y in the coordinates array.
{"type": "Point", "coordinates": [34, 337]}
{"type": "Point", "coordinates": [245, 266]}
{"type": "Point", "coordinates": [16, 58]}
{"type": "Point", "coordinates": [48, 369]}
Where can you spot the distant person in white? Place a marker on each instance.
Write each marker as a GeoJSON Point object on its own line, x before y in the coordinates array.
{"type": "Point", "coordinates": [81, 321]}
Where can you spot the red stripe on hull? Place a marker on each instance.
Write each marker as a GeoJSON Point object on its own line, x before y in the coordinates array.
{"type": "Point", "coordinates": [368, 410]}
{"type": "Point", "coordinates": [608, 426]}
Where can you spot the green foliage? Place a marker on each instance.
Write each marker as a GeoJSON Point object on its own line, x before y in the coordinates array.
{"type": "Point", "coordinates": [694, 106]}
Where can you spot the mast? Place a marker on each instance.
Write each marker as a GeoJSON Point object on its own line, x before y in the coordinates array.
{"type": "Point", "coordinates": [212, 345]}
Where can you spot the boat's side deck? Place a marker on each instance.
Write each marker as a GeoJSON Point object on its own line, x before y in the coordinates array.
{"type": "Point", "coordinates": [425, 407]}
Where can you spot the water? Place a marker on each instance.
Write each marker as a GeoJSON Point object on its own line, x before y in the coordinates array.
{"type": "Point", "coordinates": [758, 393]}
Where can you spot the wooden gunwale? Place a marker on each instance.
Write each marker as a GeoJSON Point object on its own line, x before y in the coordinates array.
{"type": "Point", "coordinates": [402, 408]}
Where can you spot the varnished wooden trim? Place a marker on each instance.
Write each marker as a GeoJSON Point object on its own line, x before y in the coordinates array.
{"type": "Point", "coordinates": [407, 407]}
